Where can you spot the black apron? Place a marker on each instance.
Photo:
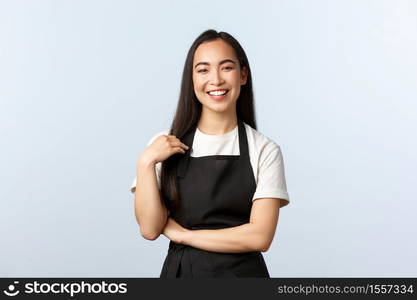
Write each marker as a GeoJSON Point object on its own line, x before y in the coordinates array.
{"type": "Point", "coordinates": [215, 192]}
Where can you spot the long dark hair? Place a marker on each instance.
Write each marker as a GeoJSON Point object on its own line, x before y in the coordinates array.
{"type": "Point", "coordinates": [189, 110]}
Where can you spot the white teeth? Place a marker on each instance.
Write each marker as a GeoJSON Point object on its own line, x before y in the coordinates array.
{"type": "Point", "coordinates": [217, 93]}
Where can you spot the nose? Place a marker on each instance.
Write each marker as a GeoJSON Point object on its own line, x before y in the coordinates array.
{"type": "Point", "coordinates": [215, 78]}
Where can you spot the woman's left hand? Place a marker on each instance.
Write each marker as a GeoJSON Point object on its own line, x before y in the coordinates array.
{"type": "Point", "coordinates": [175, 232]}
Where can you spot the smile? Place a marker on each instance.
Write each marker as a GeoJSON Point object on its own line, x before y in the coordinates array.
{"type": "Point", "coordinates": [218, 92]}
{"type": "Point", "coordinates": [218, 95]}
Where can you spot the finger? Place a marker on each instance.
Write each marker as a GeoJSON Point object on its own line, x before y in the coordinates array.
{"type": "Point", "coordinates": [185, 146]}
{"type": "Point", "coordinates": [181, 144]}
{"type": "Point", "coordinates": [178, 150]}
{"type": "Point", "coordinates": [177, 143]}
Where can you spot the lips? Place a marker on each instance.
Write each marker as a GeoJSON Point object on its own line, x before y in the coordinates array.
{"type": "Point", "coordinates": [219, 92]}
{"type": "Point", "coordinates": [217, 95]}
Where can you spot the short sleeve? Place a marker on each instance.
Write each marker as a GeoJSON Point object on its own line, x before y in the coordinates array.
{"type": "Point", "coordinates": [158, 178]}
{"type": "Point", "coordinates": [271, 181]}
{"type": "Point", "coordinates": [157, 166]}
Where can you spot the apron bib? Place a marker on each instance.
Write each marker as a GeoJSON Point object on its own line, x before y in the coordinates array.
{"type": "Point", "coordinates": [215, 192]}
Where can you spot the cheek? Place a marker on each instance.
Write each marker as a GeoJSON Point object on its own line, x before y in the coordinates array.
{"type": "Point", "coordinates": [234, 79]}
{"type": "Point", "coordinates": [236, 85]}
{"type": "Point", "coordinates": [198, 85]}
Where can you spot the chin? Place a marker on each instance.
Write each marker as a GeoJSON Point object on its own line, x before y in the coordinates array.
{"type": "Point", "coordinates": [219, 108]}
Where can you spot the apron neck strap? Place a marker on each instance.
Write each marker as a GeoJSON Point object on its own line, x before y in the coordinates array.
{"type": "Point", "coordinates": [188, 139]}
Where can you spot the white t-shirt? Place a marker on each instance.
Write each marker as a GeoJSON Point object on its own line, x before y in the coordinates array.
{"type": "Point", "coordinates": [265, 157]}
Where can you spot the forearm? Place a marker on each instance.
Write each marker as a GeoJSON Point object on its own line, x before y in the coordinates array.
{"type": "Point", "coordinates": [244, 238]}
{"type": "Point", "coordinates": [150, 212]}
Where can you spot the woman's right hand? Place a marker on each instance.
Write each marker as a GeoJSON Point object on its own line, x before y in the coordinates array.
{"type": "Point", "coordinates": [161, 148]}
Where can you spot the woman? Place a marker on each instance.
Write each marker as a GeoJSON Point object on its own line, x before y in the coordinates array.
{"type": "Point", "coordinates": [197, 184]}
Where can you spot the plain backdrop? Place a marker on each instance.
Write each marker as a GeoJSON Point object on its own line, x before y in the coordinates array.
{"type": "Point", "coordinates": [85, 84]}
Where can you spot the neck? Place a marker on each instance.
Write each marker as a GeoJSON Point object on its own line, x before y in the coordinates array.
{"type": "Point", "coordinates": [214, 123]}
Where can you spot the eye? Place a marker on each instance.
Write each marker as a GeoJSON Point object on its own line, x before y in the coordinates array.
{"type": "Point", "coordinates": [202, 70]}
{"type": "Point", "coordinates": [228, 68]}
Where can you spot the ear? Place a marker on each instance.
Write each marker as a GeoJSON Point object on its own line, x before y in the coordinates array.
{"type": "Point", "coordinates": [243, 75]}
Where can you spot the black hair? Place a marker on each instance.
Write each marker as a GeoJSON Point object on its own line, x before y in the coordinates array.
{"type": "Point", "coordinates": [188, 110]}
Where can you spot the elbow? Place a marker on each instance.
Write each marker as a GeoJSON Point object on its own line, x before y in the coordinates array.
{"type": "Point", "coordinates": [264, 248]}
{"type": "Point", "coordinates": [263, 245]}
{"type": "Point", "coordinates": [149, 235]}
{"type": "Point", "coordinates": [149, 232]}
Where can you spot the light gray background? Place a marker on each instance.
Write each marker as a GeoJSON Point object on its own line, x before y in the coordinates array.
{"type": "Point", "coordinates": [85, 84]}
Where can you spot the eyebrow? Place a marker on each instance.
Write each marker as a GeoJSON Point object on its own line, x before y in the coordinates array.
{"type": "Point", "coordinates": [222, 62]}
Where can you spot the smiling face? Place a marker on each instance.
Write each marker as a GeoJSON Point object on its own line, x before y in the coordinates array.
{"type": "Point", "coordinates": [217, 76]}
